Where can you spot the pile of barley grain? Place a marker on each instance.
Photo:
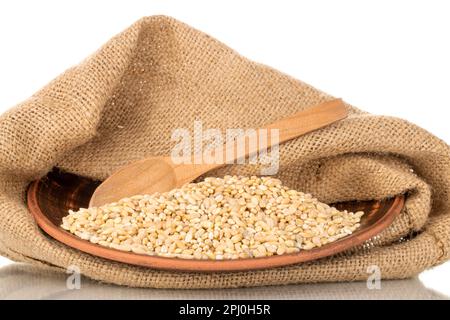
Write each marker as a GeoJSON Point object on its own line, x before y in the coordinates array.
{"type": "Point", "coordinates": [229, 218]}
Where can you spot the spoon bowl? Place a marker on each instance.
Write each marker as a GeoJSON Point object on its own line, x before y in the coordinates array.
{"type": "Point", "coordinates": [163, 179]}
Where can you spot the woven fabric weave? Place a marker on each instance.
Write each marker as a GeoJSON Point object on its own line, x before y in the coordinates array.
{"type": "Point", "coordinates": [122, 104]}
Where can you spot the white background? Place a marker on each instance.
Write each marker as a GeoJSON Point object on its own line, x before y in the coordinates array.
{"type": "Point", "coordinates": [387, 57]}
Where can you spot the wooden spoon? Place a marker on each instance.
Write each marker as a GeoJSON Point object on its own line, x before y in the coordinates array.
{"type": "Point", "coordinates": [160, 174]}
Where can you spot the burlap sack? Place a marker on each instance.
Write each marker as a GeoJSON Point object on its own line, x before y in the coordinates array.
{"type": "Point", "coordinates": [122, 103]}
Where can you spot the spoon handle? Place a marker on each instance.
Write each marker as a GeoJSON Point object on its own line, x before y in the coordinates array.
{"type": "Point", "coordinates": [311, 119]}
{"type": "Point", "coordinates": [291, 127]}
{"type": "Point", "coordinates": [298, 124]}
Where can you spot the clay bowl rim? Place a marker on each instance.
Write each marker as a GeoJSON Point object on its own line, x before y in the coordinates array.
{"type": "Point", "coordinates": [190, 265]}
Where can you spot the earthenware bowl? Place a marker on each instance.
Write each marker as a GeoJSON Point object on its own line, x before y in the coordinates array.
{"type": "Point", "coordinates": [50, 198]}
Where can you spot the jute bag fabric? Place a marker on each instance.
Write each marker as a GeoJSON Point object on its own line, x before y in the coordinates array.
{"type": "Point", "coordinates": [122, 104]}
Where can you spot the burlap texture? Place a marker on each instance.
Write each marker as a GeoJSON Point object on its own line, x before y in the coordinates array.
{"type": "Point", "coordinates": [122, 103]}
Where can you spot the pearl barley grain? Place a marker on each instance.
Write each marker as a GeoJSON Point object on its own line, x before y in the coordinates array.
{"type": "Point", "coordinates": [218, 218]}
